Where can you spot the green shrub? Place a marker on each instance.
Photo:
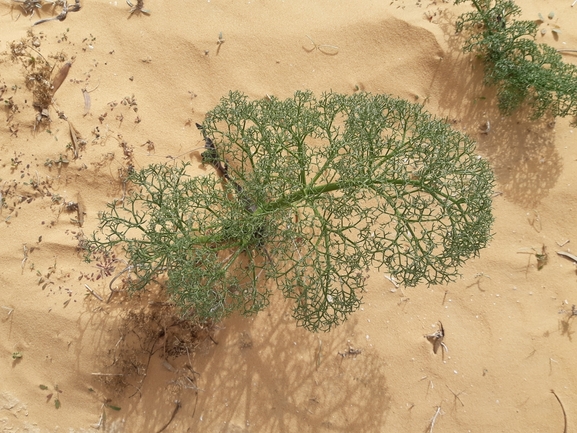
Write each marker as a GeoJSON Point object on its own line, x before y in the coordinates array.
{"type": "Point", "coordinates": [521, 70]}
{"type": "Point", "coordinates": [312, 193]}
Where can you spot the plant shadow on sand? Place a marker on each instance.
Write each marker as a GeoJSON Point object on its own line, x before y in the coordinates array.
{"type": "Point", "coordinates": [522, 152]}
{"type": "Point", "coordinates": [280, 379]}
{"type": "Point", "coordinates": [244, 375]}
{"type": "Point", "coordinates": [136, 340]}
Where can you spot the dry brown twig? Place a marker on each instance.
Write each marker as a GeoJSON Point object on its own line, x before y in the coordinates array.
{"type": "Point", "coordinates": [114, 291]}
{"type": "Point", "coordinates": [178, 406]}
{"type": "Point", "coordinates": [25, 249]}
{"type": "Point", "coordinates": [436, 339]}
{"type": "Point", "coordinates": [9, 314]}
{"type": "Point", "coordinates": [563, 409]}
{"type": "Point", "coordinates": [29, 6]}
{"type": "Point", "coordinates": [63, 14]}
{"type": "Point", "coordinates": [456, 394]}
{"type": "Point", "coordinates": [434, 419]}
{"type": "Point", "coordinates": [568, 255]}
{"type": "Point", "coordinates": [96, 295]}
{"type": "Point", "coordinates": [350, 352]}
{"type": "Point", "coordinates": [219, 43]}
{"type": "Point", "coordinates": [535, 222]}
{"type": "Point", "coordinates": [137, 8]}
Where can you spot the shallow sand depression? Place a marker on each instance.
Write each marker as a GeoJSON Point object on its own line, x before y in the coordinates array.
{"type": "Point", "coordinates": [150, 78]}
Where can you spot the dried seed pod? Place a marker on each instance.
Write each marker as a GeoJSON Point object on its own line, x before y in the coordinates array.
{"type": "Point", "coordinates": [87, 102]}
{"type": "Point", "coordinates": [60, 77]}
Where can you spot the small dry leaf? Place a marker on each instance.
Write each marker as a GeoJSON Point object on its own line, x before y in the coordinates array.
{"type": "Point", "coordinates": [436, 338]}
{"type": "Point", "coordinates": [568, 255]}
{"type": "Point", "coordinates": [60, 77]}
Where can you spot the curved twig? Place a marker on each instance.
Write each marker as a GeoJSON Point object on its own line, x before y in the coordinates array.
{"type": "Point", "coordinates": [178, 405]}
{"type": "Point", "coordinates": [564, 413]}
{"type": "Point", "coordinates": [112, 291]}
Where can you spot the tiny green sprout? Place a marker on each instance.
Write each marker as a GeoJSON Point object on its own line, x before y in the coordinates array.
{"type": "Point", "coordinates": [57, 391]}
{"type": "Point", "coordinates": [59, 162]}
{"type": "Point", "coordinates": [62, 160]}
{"type": "Point", "coordinates": [16, 355]}
{"type": "Point", "coordinates": [14, 163]}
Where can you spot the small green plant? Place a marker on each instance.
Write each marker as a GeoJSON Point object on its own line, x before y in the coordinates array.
{"type": "Point", "coordinates": [58, 163]}
{"type": "Point", "coordinates": [522, 71]}
{"type": "Point", "coordinates": [312, 193]}
{"type": "Point", "coordinates": [56, 391]}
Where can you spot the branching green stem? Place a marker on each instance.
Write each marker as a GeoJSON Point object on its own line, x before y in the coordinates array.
{"type": "Point", "coordinates": [314, 193]}
{"type": "Point", "coordinates": [523, 72]}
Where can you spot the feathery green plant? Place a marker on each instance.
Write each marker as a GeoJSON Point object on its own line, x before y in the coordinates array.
{"type": "Point", "coordinates": [521, 70]}
{"type": "Point", "coordinates": [312, 193]}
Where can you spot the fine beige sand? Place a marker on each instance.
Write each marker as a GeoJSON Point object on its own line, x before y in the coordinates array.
{"type": "Point", "coordinates": [509, 331]}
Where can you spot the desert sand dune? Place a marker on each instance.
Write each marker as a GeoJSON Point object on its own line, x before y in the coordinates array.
{"type": "Point", "coordinates": [151, 77]}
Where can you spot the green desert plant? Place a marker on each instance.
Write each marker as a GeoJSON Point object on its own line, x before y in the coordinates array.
{"type": "Point", "coordinates": [56, 391]}
{"type": "Point", "coordinates": [522, 70]}
{"type": "Point", "coordinates": [311, 193]}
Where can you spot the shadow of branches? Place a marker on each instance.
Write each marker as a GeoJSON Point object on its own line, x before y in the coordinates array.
{"type": "Point", "coordinates": [249, 374]}
{"type": "Point", "coordinates": [265, 375]}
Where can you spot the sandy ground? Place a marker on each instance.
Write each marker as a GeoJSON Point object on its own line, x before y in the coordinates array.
{"type": "Point", "coordinates": [509, 336]}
